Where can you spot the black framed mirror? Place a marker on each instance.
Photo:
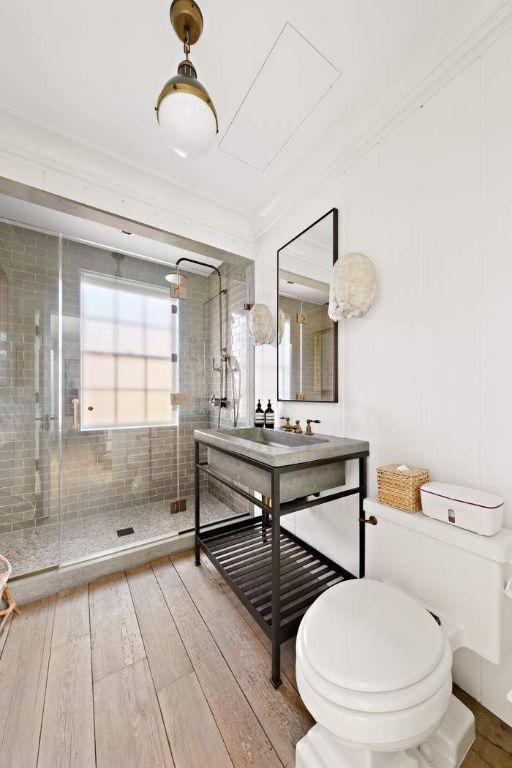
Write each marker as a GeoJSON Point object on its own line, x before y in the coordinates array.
{"type": "Point", "coordinates": [307, 343]}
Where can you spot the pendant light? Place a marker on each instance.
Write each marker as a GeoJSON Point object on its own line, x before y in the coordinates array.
{"type": "Point", "coordinates": [184, 109]}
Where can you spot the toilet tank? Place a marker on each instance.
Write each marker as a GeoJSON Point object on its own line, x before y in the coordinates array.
{"type": "Point", "coordinates": [458, 575]}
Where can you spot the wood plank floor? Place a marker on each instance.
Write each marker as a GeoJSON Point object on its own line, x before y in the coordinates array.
{"type": "Point", "coordinates": [159, 667]}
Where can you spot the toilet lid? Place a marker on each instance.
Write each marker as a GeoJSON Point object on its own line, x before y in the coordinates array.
{"type": "Point", "coordinates": [364, 635]}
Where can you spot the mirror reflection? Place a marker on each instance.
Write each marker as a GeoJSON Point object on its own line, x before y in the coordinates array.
{"type": "Point", "coordinates": [307, 337]}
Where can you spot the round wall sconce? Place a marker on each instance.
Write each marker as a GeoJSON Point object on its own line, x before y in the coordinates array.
{"type": "Point", "coordinates": [261, 325]}
{"type": "Point", "coordinates": [353, 287]}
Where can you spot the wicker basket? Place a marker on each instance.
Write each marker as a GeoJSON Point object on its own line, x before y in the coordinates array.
{"type": "Point", "coordinates": [401, 488]}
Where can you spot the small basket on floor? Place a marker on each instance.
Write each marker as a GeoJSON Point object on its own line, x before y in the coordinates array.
{"type": "Point", "coordinates": [5, 595]}
{"type": "Point", "coordinates": [400, 488]}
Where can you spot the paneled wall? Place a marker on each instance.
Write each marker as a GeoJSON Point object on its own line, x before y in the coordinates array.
{"type": "Point", "coordinates": [426, 376]}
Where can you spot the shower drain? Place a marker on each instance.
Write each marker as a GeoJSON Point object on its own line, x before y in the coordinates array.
{"type": "Point", "coordinates": [125, 531]}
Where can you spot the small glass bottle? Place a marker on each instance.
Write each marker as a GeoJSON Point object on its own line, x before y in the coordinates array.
{"type": "Point", "coordinates": [259, 416]}
{"type": "Point", "coordinates": [269, 416]}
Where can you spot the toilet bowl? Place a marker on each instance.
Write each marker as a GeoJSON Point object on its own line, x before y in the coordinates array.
{"type": "Point", "coordinates": [374, 670]}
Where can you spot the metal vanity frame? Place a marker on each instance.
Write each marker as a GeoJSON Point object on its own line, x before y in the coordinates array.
{"type": "Point", "coordinates": [275, 574]}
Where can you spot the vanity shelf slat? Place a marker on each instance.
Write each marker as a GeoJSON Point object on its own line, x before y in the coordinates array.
{"type": "Point", "coordinates": [299, 588]}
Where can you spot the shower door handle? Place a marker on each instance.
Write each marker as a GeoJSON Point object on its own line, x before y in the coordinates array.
{"type": "Point", "coordinates": [45, 421]}
{"type": "Point", "coordinates": [75, 403]}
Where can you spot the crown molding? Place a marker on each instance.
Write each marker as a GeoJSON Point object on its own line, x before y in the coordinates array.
{"type": "Point", "coordinates": [496, 26]}
{"type": "Point", "coordinates": [163, 201]}
{"type": "Point", "coordinates": [120, 158]}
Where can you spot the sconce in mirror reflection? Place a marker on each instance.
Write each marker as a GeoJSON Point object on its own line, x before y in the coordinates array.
{"type": "Point", "coordinates": [307, 349]}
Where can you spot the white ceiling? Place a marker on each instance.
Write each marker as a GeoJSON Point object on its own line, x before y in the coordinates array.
{"type": "Point", "coordinates": [92, 71]}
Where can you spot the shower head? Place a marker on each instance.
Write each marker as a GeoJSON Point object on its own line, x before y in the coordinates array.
{"type": "Point", "coordinates": [175, 278]}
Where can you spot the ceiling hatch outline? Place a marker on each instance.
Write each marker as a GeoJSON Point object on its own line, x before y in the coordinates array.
{"type": "Point", "coordinates": [329, 82]}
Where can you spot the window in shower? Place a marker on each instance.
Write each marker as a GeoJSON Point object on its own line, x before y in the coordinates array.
{"type": "Point", "coordinates": [129, 353]}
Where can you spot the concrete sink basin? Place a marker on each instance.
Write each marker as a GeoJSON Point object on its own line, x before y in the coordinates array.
{"type": "Point", "coordinates": [277, 448]}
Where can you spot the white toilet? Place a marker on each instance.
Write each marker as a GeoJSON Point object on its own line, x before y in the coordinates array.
{"type": "Point", "coordinates": [374, 665]}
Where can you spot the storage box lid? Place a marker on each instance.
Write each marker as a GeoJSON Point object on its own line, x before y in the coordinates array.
{"type": "Point", "coordinates": [466, 495]}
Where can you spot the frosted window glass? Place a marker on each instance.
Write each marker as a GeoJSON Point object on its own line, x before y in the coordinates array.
{"type": "Point", "coordinates": [130, 306]}
{"type": "Point", "coordinates": [159, 408]}
{"type": "Point", "coordinates": [131, 372]}
{"type": "Point", "coordinates": [129, 333]}
{"type": "Point", "coordinates": [130, 406]}
{"type": "Point", "coordinates": [130, 339]}
{"type": "Point", "coordinates": [98, 371]}
{"type": "Point", "coordinates": [160, 375]}
{"type": "Point", "coordinates": [97, 336]}
{"type": "Point", "coordinates": [159, 312]}
{"type": "Point", "coordinates": [98, 302]}
{"type": "Point", "coordinates": [102, 403]}
{"type": "Point", "coordinates": [159, 343]}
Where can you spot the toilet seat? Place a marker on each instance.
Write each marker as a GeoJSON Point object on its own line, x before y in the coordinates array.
{"type": "Point", "coordinates": [382, 701]}
{"type": "Point", "coordinates": [367, 636]}
{"type": "Point", "coordinates": [373, 666]}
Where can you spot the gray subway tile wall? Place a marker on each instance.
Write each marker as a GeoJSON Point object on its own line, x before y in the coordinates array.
{"type": "Point", "coordinates": [104, 470]}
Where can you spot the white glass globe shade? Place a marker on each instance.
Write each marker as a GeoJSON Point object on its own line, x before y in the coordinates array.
{"type": "Point", "coordinates": [188, 123]}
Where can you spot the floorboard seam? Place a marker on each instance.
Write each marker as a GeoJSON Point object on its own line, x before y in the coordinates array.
{"type": "Point", "coordinates": [194, 669]}
{"type": "Point", "coordinates": [5, 634]}
{"type": "Point", "coordinates": [227, 662]}
{"type": "Point", "coordinates": [148, 661]}
{"type": "Point", "coordinates": [54, 600]}
{"type": "Point", "coordinates": [241, 614]}
{"type": "Point", "coordinates": [92, 674]}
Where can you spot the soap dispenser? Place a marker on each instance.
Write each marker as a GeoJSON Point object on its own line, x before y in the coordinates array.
{"type": "Point", "coordinates": [259, 416]}
{"type": "Point", "coordinates": [269, 416]}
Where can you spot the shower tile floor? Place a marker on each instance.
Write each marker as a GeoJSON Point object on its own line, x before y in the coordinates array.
{"type": "Point", "coordinates": [37, 548]}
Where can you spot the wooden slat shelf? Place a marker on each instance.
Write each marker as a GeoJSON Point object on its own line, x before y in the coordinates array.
{"type": "Point", "coordinates": [243, 556]}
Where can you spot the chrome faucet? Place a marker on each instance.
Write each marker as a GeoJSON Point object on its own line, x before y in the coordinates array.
{"type": "Point", "coordinates": [309, 422]}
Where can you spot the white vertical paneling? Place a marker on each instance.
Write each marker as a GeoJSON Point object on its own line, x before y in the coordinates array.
{"type": "Point", "coordinates": [426, 377]}
{"type": "Point", "coordinates": [496, 291]}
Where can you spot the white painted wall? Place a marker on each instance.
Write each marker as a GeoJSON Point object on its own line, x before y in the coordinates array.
{"type": "Point", "coordinates": [426, 377]}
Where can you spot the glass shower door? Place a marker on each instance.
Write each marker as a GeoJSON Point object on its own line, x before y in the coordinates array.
{"type": "Point", "coordinates": [119, 427]}
{"type": "Point", "coordinates": [29, 466]}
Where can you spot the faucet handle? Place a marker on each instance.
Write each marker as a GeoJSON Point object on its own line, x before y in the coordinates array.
{"type": "Point", "coordinates": [309, 422]}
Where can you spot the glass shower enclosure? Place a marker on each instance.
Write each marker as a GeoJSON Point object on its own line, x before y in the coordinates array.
{"type": "Point", "coordinates": [104, 375]}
